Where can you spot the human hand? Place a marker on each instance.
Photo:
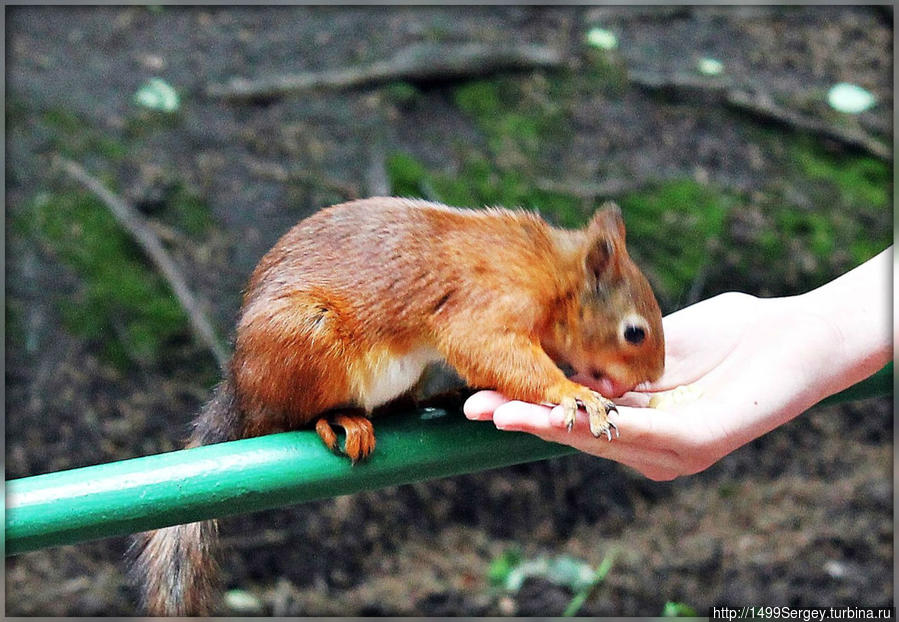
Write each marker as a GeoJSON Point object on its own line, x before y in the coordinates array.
{"type": "Point", "coordinates": [755, 363]}
{"type": "Point", "coordinates": [706, 347]}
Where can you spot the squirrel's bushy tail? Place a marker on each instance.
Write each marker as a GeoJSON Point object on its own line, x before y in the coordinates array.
{"type": "Point", "coordinates": [176, 566]}
{"type": "Point", "coordinates": [176, 569]}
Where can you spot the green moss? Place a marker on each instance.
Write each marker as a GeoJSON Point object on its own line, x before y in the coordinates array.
{"type": "Point", "coordinates": [481, 98]}
{"type": "Point", "coordinates": [674, 609]}
{"type": "Point", "coordinates": [480, 184]}
{"type": "Point", "coordinates": [861, 182]}
{"type": "Point", "coordinates": [120, 302]}
{"type": "Point", "coordinates": [849, 214]}
{"type": "Point", "coordinates": [402, 94]}
{"type": "Point", "coordinates": [812, 246]}
{"type": "Point", "coordinates": [72, 136]}
{"type": "Point", "coordinates": [516, 117]}
{"type": "Point", "coordinates": [16, 110]}
{"type": "Point", "coordinates": [823, 213]}
{"type": "Point", "coordinates": [522, 124]}
{"type": "Point", "coordinates": [14, 324]}
{"type": "Point", "coordinates": [408, 177]}
{"type": "Point", "coordinates": [186, 210]}
{"type": "Point", "coordinates": [671, 230]}
{"type": "Point", "coordinates": [63, 120]}
{"type": "Point", "coordinates": [814, 228]}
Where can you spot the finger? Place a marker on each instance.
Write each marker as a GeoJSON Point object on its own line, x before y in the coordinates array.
{"type": "Point", "coordinates": [682, 371]}
{"type": "Point", "coordinates": [632, 399]}
{"type": "Point", "coordinates": [548, 424]}
{"type": "Point", "coordinates": [658, 463]}
{"type": "Point", "coordinates": [516, 416]}
{"type": "Point", "coordinates": [647, 438]}
{"type": "Point", "coordinates": [480, 406]}
{"type": "Point", "coordinates": [646, 428]}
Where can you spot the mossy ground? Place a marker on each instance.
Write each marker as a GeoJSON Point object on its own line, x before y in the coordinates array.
{"type": "Point", "coordinates": [119, 302]}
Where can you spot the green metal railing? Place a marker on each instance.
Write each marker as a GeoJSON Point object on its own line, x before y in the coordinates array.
{"type": "Point", "coordinates": [248, 475]}
{"type": "Point", "coordinates": [266, 472]}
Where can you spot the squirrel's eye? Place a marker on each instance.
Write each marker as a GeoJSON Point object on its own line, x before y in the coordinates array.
{"type": "Point", "coordinates": [634, 334]}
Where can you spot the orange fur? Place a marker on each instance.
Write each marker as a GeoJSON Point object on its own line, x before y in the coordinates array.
{"type": "Point", "coordinates": [490, 291]}
{"type": "Point", "coordinates": [348, 307]}
{"type": "Point", "coordinates": [360, 436]}
{"type": "Point", "coordinates": [326, 433]}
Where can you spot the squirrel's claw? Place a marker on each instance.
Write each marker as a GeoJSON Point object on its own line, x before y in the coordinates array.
{"type": "Point", "coordinates": [611, 425]}
{"type": "Point", "coordinates": [598, 413]}
{"type": "Point", "coordinates": [609, 429]}
{"type": "Point", "coordinates": [598, 409]}
{"type": "Point", "coordinates": [569, 407]}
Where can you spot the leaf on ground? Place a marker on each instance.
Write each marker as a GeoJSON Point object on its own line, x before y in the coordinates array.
{"type": "Point", "coordinates": [157, 94]}
{"type": "Point", "coordinates": [850, 98]}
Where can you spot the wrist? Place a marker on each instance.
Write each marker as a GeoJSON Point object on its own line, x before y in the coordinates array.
{"type": "Point", "coordinates": [850, 326]}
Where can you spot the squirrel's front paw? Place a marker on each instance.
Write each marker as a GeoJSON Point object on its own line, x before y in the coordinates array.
{"type": "Point", "coordinates": [597, 407]}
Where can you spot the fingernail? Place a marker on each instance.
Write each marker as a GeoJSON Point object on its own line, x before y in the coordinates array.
{"type": "Point", "coordinates": [473, 412]}
{"type": "Point", "coordinates": [505, 426]}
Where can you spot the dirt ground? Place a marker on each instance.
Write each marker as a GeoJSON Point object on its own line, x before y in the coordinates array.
{"type": "Point", "coordinates": [800, 517]}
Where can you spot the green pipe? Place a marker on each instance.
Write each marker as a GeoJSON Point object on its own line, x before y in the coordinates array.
{"type": "Point", "coordinates": [248, 475]}
{"type": "Point", "coordinates": [266, 472]}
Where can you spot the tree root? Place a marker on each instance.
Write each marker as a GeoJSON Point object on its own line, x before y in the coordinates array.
{"type": "Point", "coordinates": [761, 105]}
{"type": "Point", "coordinates": [416, 63]}
{"type": "Point", "coordinates": [133, 223]}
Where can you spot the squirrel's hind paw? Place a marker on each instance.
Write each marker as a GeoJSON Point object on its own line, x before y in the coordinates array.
{"type": "Point", "coordinates": [360, 435]}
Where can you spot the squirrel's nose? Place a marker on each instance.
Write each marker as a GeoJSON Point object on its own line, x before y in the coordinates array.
{"type": "Point", "coordinates": [609, 387]}
{"type": "Point", "coordinates": [606, 385]}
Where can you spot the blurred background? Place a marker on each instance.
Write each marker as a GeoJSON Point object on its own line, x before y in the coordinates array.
{"type": "Point", "coordinates": [749, 149]}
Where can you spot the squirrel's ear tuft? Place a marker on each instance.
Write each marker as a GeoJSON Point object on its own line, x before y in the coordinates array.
{"type": "Point", "coordinates": [599, 256]}
{"type": "Point", "coordinates": [607, 221]}
{"type": "Point", "coordinates": [606, 237]}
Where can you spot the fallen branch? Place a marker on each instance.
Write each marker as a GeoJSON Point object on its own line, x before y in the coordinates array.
{"type": "Point", "coordinates": [131, 220]}
{"type": "Point", "coordinates": [416, 63]}
{"type": "Point", "coordinates": [761, 105]}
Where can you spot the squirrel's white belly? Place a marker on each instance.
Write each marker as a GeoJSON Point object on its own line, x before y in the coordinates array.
{"type": "Point", "coordinates": [389, 376]}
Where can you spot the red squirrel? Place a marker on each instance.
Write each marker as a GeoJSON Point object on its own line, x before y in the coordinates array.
{"type": "Point", "coordinates": [350, 305]}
